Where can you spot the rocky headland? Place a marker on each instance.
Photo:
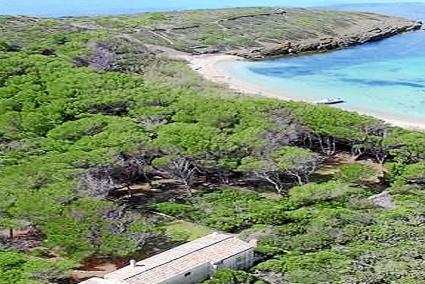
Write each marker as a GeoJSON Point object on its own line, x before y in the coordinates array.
{"type": "Point", "coordinates": [257, 33]}
{"type": "Point", "coordinates": [354, 36]}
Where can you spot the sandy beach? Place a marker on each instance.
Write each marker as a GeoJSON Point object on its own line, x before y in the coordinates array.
{"type": "Point", "coordinates": [214, 67]}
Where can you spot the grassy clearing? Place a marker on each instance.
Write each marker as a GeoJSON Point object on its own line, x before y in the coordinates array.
{"type": "Point", "coordinates": [185, 231]}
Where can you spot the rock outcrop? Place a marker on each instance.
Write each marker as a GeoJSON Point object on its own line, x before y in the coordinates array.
{"type": "Point", "coordinates": [382, 200]}
{"type": "Point", "coordinates": [359, 36]}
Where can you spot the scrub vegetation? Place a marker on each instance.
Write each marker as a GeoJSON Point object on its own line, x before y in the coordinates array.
{"type": "Point", "coordinates": [108, 149]}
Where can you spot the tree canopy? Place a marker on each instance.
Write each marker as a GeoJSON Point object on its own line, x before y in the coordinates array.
{"type": "Point", "coordinates": [100, 137]}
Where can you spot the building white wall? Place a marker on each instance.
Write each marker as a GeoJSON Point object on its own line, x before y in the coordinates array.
{"type": "Point", "coordinates": [240, 261]}
{"type": "Point", "coordinates": [96, 280]}
{"type": "Point", "coordinates": [192, 276]}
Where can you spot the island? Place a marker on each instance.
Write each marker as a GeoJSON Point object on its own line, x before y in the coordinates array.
{"type": "Point", "coordinates": [253, 33]}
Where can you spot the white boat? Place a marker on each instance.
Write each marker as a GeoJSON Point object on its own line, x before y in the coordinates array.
{"type": "Point", "coordinates": [330, 101]}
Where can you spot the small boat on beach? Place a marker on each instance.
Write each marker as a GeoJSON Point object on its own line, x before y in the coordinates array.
{"type": "Point", "coordinates": [330, 101]}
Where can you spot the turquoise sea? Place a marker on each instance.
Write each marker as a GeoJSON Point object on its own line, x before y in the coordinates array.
{"type": "Point", "coordinates": [385, 77]}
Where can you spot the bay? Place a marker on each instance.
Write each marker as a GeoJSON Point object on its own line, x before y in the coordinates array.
{"type": "Point", "coordinates": [386, 78]}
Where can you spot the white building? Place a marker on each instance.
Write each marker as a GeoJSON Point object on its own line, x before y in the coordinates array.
{"type": "Point", "coordinates": [190, 263]}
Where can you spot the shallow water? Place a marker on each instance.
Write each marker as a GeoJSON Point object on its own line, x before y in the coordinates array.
{"type": "Point", "coordinates": [386, 77]}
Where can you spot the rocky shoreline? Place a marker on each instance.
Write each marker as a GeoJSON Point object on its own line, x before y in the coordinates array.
{"type": "Point", "coordinates": [388, 29]}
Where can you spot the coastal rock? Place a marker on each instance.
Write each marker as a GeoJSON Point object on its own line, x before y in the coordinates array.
{"type": "Point", "coordinates": [360, 36]}
{"type": "Point", "coordinates": [382, 200]}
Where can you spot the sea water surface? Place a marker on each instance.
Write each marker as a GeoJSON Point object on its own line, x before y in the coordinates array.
{"type": "Point", "coordinates": [385, 78]}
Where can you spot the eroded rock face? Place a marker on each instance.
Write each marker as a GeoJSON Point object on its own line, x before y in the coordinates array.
{"type": "Point", "coordinates": [383, 200]}
{"type": "Point", "coordinates": [359, 36]}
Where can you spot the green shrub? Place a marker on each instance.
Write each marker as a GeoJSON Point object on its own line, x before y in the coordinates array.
{"type": "Point", "coordinates": [174, 209]}
{"type": "Point", "coordinates": [18, 268]}
{"type": "Point", "coordinates": [414, 174]}
{"type": "Point", "coordinates": [318, 267]}
{"type": "Point", "coordinates": [60, 38]}
{"type": "Point", "coordinates": [9, 47]}
{"type": "Point", "coordinates": [315, 193]}
{"type": "Point", "coordinates": [355, 173]}
{"type": "Point", "coordinates": [229, 210]}
{"type": "Point", "coordinates": [228, 276]}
